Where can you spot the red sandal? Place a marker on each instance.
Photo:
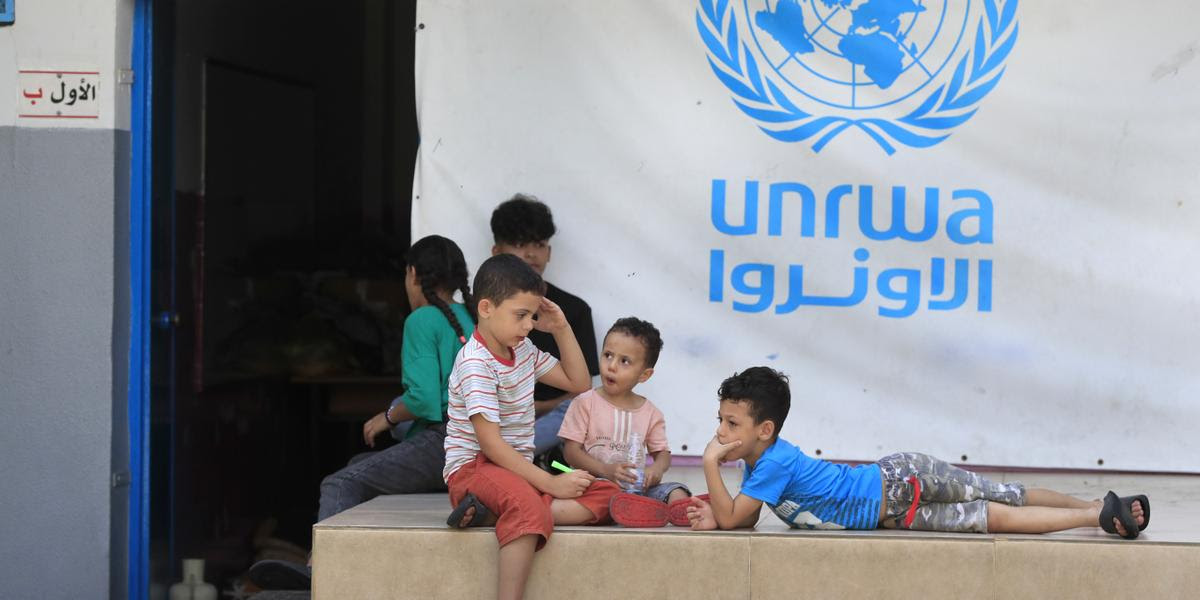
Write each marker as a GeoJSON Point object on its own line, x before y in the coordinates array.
{"type": "Point", "coordinates": [632, 510]}
{"type": "Point", "coordinates": [677, 510]}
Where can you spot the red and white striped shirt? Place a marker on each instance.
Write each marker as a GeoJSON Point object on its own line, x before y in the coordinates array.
{"type": "Point", "coordinates": [499, 388]}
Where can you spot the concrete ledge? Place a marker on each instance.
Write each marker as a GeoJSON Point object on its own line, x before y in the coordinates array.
{"type": "Point", "coordinates": [399, 546]}
{"type": "Point", "coordinates": [1098, 569]}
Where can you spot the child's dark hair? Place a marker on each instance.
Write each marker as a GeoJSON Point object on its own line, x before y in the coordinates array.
{"type": "Point", "coordinates": [522, 219]}
{"type": "Point", "coordinates": [764, 389]}
{"type": "Point", "coordinates": [503, 276]}
{"type": "Point", "coordinates": [439, 265]}
{"type": "Point", "coordinates": [645, 332]}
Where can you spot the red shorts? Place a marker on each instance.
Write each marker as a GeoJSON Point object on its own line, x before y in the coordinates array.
{"type": "Point", "coordinates": [519, 507]}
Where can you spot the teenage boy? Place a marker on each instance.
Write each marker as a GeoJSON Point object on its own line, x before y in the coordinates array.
{"type": "Point", "coordinates": [522, 226]}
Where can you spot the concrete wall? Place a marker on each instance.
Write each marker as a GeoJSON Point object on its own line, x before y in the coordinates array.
{"type": "Point", "coordinates": [64, 248]}
{"type": "Point", "coordinates": [62, 354]}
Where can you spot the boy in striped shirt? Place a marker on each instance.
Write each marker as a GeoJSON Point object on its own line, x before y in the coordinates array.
{"type": "Point", "coordinates": [489, 431]}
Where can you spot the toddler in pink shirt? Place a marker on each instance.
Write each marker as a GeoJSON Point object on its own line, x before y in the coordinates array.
{"type": "Point", "coordinates": [598, 428]}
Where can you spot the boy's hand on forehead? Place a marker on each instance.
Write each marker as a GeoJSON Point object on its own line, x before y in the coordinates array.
{"type": "Point", "coordinates": [550, 317]}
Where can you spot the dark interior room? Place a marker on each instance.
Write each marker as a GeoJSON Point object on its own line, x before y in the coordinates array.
{"type": "Point", "coordinates": [285, 140]}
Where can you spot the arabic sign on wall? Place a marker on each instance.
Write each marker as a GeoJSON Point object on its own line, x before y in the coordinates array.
{"type": "Point", "coordinates": [54, 94]}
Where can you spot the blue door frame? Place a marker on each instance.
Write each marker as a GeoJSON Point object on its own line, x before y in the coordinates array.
{"type": "Point", "coordinates": [139, 301]}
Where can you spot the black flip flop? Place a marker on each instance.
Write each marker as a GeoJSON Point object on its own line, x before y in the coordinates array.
{"type": "Point", "coordinates": [1119, 508]}
{"type": "Point", "coordinates": [280, 575]}
{"type": "Point", "coordinates": [481, 513]}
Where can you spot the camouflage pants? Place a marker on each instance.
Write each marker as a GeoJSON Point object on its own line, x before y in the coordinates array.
{"type": "Point", "coordinates": [952, 499]}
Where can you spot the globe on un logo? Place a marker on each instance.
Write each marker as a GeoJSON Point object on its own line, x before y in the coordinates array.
{"type": "Point", "coordinates": [901, 72]}
{"type": "Point", "coordinates": [857, 54]}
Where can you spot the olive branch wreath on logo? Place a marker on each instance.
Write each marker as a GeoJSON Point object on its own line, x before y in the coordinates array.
{"type": "Point", "coordinates": [949, 106]}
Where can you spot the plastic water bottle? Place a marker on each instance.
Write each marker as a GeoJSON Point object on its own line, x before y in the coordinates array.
{"type": "Point", "coordinates": [637, 456]}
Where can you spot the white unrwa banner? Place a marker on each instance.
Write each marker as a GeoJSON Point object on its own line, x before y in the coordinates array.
{"type": "Point", "coordinates": [963, 227]}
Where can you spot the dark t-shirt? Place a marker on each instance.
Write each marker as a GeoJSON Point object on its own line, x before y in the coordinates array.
{"type": "Point", "coordinates": [579, 315]}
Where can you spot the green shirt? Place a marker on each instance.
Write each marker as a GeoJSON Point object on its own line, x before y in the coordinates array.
{"type": "Point", "coordinates": [427, 356]}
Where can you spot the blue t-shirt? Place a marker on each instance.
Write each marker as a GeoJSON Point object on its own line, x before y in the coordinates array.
{"type": "Point", "coordinates": [812, 493]}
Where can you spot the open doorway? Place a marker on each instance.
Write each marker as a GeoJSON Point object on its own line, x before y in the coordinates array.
{"type": "Point", "coordinates": [284, 142]}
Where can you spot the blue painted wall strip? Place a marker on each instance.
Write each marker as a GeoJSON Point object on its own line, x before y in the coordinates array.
{"type": "Point", "coordinates": [139, 318]}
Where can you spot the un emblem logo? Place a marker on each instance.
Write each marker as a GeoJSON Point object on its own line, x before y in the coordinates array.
{"type": "Point", "coordinates": [904, 72]}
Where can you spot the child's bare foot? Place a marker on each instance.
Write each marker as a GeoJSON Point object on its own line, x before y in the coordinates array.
{"type": "Point", "coordinates": [487, 521]}
{"type": "Point", "coordinates": [1138, 515]}
{"type": "Point", "coordinates": [468, 515]}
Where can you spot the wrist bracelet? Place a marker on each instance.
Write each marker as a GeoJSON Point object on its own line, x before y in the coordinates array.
{"type": "Point", "coordinates": [386, 418]}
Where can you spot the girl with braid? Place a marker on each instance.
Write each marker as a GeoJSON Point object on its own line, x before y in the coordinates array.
{"type": "Point", "coordinates": [433, 333]}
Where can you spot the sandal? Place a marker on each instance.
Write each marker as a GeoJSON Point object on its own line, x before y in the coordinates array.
{"type": "Point", "coordinates": [1122, 510]}
{"type": "Point", "coordinates": [456, 516]}
{"type": "Point", "coordinates": [677, 510]}
{"type": "Point", "coordinates": [632, 510]}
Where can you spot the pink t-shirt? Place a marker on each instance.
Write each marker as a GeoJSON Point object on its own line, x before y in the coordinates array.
{"type": "Point", "coordinates": [604, 429]}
